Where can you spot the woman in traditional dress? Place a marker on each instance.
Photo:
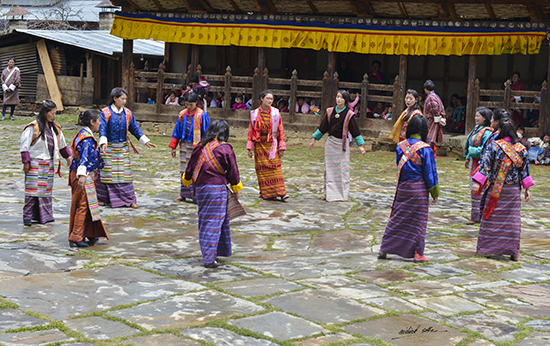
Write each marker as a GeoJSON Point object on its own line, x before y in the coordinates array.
{"type": "Point", "coordinates": [266, 142]}
{"type": "Point", "coordinates": [504, 169]}
{"type": "Point", "coordinates": [211, 167]}
{"type": "Point", "coordinates": [190, 128]}
{"type": "Point", "coordinates": [41, 143]}
{"type": "Point", "coordinates": [416, 178]}
{"type": "Point", "coordinates": [115, 185]}
{"type": "Point", "coordinates": [338, 122]}
{"type": "Point", "coordinates": [11, 82]}
{"type": "Point", "coordinates": [412, 101]}
{"type": "Point", "coordinates": [85, 219]}
{"type": "Point", "coordinates": [475, 142]}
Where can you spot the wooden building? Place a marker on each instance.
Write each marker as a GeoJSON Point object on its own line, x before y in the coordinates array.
{"type": "Point", "coordinates": [272, 42]}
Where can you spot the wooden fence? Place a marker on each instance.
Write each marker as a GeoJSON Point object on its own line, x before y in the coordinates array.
{"type": "Point", "coordinates": [325, 89]}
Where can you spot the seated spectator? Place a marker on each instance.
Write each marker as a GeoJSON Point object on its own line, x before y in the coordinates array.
{"type": "Point", "coordinates": [302, 106]}
{"type": "Point", "coordinates": [451, 108]}
{"type": "Point", "coordinates": [533, 115]}
{"type": "Point", "coordinates": [522, 139]}
{"type": "Point", "coordinates": [457, 123]}
{"type": "Point", "coordinates": [537, 146]}
{"type": "Point", "coordinates": [544, 158]}
{"type": "Point", "coordinates": [354, 103]}
{"type": "Point", "coordinates": [282, 106]}
{"type": "Point", "coordinates": [378, 110]}
{"type": "Point", "coordinates": [388, 112]}
{"type": "Point", "coordinates": [210, 101]}
{"type": "Point", "coordinates": [172, 99]}
{"type": "Point", "coordinates": [238, 103]}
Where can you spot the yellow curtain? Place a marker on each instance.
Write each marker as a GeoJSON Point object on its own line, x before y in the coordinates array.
{"type": "Point", "coordinates": [335, 38]}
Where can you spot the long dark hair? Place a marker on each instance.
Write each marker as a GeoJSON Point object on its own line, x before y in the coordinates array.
{"type": "Point", "coordinates": [265, 93]}
{"type": "Point", "coordinates": [116, 92]}
{"type": "Point", "coordinates": [418, 125]}
{"type": "Point", "coordinates": [507, 129]}
{"type": "Point", "coordinates": [345, 96]}
{"type": "Point", "coordinates": [486, 113]}
{"type": "Point", "coordinates": [416, 105]}
{"type": "Point", "coordinates": [47, 106]}
{"type": "Point", "coordinates": [191, 96]}
{"type": "Point", "coordinates": [86, 117]}
{"type": "Point", "coordinates": [218, 128]}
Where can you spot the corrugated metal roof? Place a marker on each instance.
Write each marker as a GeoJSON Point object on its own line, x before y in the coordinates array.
{"type": "Point", "coordinates": [100, 41]}
{"type": "Point", "coordinates": [75, 10]}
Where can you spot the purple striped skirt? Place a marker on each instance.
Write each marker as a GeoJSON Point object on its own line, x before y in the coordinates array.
{"type": "Point", "coordinates": [186, 148]}
{"type": "Point", "coordinates": [500, 235]}
{"type": "Point", "coordinates": [214, 232]}
{"type": "Point", "coordinates": [406, 229]}
{"type": "Point", "coordinates": [117, 195]}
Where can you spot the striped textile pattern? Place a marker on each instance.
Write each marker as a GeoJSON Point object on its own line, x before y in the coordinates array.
{"type": "Point", "coordinates": [500, 234]}
{"type": "Point", "coordinates": [117, 164]}
{"type": "Point", "coordinates": [337, 178]}
{"type": "Point", "coordinates": [214, 231]}
{"type": "Point", "coordinates": [39, 209]}
{"type": "Point", "coordinates": [186, 148]}
{"type": "Point", "coordinates": [269, 172]}
{"type": "Point", "coordinates": [406, 229]}
{"type": "Point", "coordinates": [39, 179]}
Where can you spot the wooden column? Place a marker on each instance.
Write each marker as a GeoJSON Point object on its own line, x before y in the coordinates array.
{"type": "Point", "coordinates": [544, 115]}
{"type": "Point", "coordinates": [470, 110]}
{"type": "Point", "coordinates": [256, 88]}
{"type": "Point", "coordinates": [330, 66]}
{"type": "Point", "coordinates": [89, 65]}
{"type": "Point", "coordinates": [227, 93]}
{"type": "Point", "coordinates": [261, 58]}
{"type": "Point", "coordinates": [400, 105]}
{"type": "Point", "coordinates": [160, 84]}
{"type": "Point", "coordinates": [292, 99]}
{"type": "Point", "coordinates": [326, 98]}
{"type": "Point", "coordinates": [364, 99]}
{"type": "Point", "coordinates": [194, 58]}
{"type": "Point", "coordinates": [167, 54]}
{"type": "Point", "coordinates": [127, 58]}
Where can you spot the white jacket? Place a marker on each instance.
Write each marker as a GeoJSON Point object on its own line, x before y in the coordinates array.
{"type": "Point", "coordinates": [39, 151]}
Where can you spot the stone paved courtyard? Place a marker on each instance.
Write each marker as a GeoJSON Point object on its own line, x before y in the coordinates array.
{"type": "Point", "coordinates": [303, 272]}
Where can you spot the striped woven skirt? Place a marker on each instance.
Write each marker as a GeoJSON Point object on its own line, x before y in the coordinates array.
{"type": "Point", "coordinates": [117, 164]}
{"type": "Point", "coordinates": [214, 232]}
{"type": "Point", "coordinates": [337, 178]}
{"type": "Point", "coordinates": [117, 195]}
{"type": "Point", "coordinates": [81, 224]}
{"type": "Point", "coordinates": [500, 235]}
{"type": "Point", "coordinates": [475, 212]}
{"type": "Point", "coordinates": [406, 230]}
{"type": "Point", "coordinates": [38, 191]}
{"type": "Point", "coordinates": [269, 172]}
{"type": "Point", "coordinates": [186, 148]}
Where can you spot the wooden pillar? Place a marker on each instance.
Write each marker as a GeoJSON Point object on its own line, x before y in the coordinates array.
{"type": "Point", "coordinates": [89, 65]}
{"type": "Point", "coordinates": [194, 58]}
{"type": "Point", "coordinates": [131, 100]}
{"type": "Point", "coordinates": [98, 76]}
{"type": "Point", "coordinates": [364, 99]}
{"type": "Point", "coordinates": [265, 79]}
{"type": "Point", "coordinates": [160, 86]}
{"type": "Point", "coordinates": [470, 110]}
{"type": "Point", "coordinates": [400, 105]}
{"type": "Point", "coordinates": [330, 66]}
{"type": "Point", "coordinates": [326, 97]}
{"type": "Point", "coordinates": [544, 115]}
{"type": "Point", "coordinates": [227, 93]}
{"type": "Point", "coordinates": [256, 88]}
{"type": "Point", "coordinates": [396, 93]}
{"type": "Point", "coordinates": [167, 54]}
{"type": "Point", "coordinates": [446, 76]}
{"type": "Point", "coordinates": [261, 58]}
{"type": "Point", "coordinates": [127, 58]}
{"type": "Point", "coordinates": [292, 99]}
{"type": "Point", "coordinates": [506, 103]}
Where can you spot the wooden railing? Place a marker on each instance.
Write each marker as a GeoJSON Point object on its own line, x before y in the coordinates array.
{"type": "Point", "coordinates": [324, 90]}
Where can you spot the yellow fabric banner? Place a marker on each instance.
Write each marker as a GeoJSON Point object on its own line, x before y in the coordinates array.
{"type": "Point", "coordinates": [332, 37]}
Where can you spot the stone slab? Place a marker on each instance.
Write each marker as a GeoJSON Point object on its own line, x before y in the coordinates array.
{"type": "Point", "coordinates": [186, 310]}
{"type": "Point", "coordinates": [427, 288]}
{"type": "Point", "coordinates": [521, 276]}
{"type": "Point", "coordinates": [294, 242]}
{"type": "Point", "coordinates": [328, 340]}
{"type": "Point", "coordinates": [392, 304]}
{"type": "Point", "coordinates": [541, 268]}
{"type": "Point", "coordinates": [259, 287]}
{"type": "Point", "coordinates": [54, 294]}
{"type": "Point", "coordinates": [15, 319]}
{"type": "Point", "coordinates": [407, 330]}
{"type": "Point", "coordinates": [436, 270]}
{"type": "Point", "coordinates": [505, 316]}
{"type": "Point", "coordinates": [224, 337]}
{"type": "Point", "coordinates": [98, 328]}
{"type": "Point", "coordinates": [279, 326]}
{"type": "Point", "coordinates": [342, 241]}
{"type": "Point", "coordinates": [535, 339]}
{"type": "Point", "coordinates": [347, 287]}
{"type": "Point", "coordinates": [160, 340]}
{"type": "Point", "coordinates": [494, 300]}
{"type": "Point", "coordinates": [383, 276]}
{"type": "Point", "coordinates": [323, 307]}
{"type": "Point", "coordinates": [476, 264]}
{"type": "Point", "coordinates": [447, 305]}
{"type": "Point", "coordinates": [42, 337]}
{"type": "Point", "coordinates": [536, 294]}
{"type": "Point", "coordinates": [538, 324]}
{"type": "Point", "coordinates": [193, 269]}
{"type": "Point", "coordinates": [472, 279]}
{"type": "Point", "coordinates": [246, 242]}
{"type": "Point", "coordinates": [490, 327]}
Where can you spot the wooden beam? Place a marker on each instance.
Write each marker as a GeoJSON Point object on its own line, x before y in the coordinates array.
{"type": "Point", "coordinates": [368, 7]}
{"type": "Point", "coordinates": [132, 4]}
{"type": "Point", "coordinates": [272, 9]}
{"type": "Point", "coordinates": [159, 6]}
{"type": "Point", "coordinates": [470, 110]}
{"type": "Point", "coordinates": [353, 6]}
{"type": "Point", "coordinates": [490, 11]}
{"type": "Point", "coordinates": [442, 13]}
{"type": "Point", "coordinates": [51, 80]}
{"type": "Point", "coordinates": [543, 13]}
{"type": "Point", "coordinates": [260, 8]}
{"type": "Point", "coordinates": [452, 11]}
{"type": "Point", "coordinates": [206, 5]}
{"type": "Point", "coordinates": [235, 7]}
{"type": "Point", "coordinates": [191, 8]}
{"type": "Point", "coordinates": [480, 2]}
{"type": "Point", "coordinates": [533, 12]}
{"type": "Point", "coordinates": [312, 7]}
{"type": "Point", "coordinates": [403, 12]}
